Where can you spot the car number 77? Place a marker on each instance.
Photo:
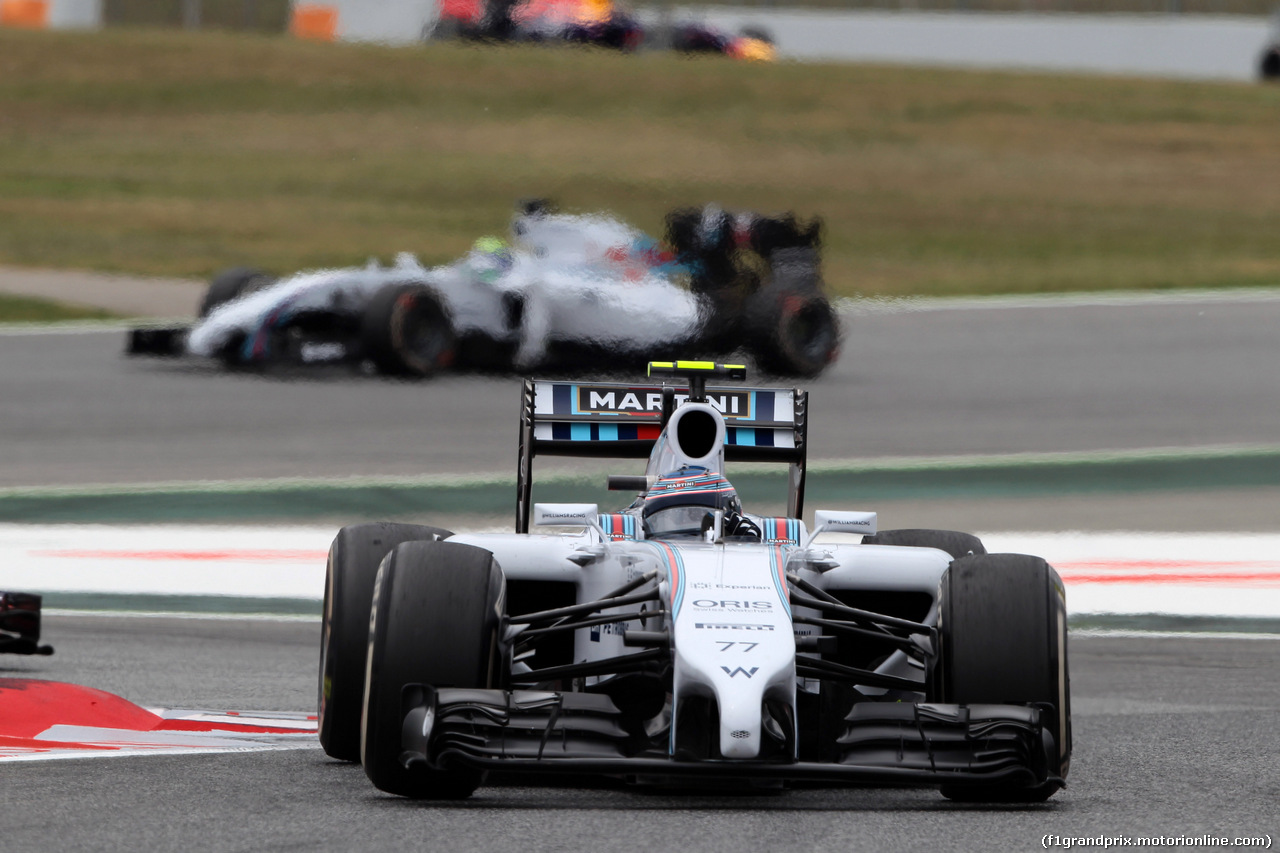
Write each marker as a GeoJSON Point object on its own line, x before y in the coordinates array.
{"type": "Point", "coordinates": [725, 645]}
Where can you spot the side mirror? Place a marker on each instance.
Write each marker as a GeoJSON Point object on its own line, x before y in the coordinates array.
{"type": "Point", "coordinates": [566, 515]}
{"type": "Point", "coordinates": [832, 521]}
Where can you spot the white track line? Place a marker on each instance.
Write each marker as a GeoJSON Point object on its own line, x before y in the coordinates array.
{"type": "Point", "coordinates": [1207, 574]}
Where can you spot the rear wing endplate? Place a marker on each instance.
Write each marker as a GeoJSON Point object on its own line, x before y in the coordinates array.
{"type": "Point", "coordinates": [620, 420]}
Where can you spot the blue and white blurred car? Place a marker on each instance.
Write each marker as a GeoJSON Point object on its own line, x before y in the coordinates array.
{"type": "Point", "coordinates": [562, 289]}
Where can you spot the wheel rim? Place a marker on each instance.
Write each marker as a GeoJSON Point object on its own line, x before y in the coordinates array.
{"type": "Point", "coordinates": [421, 333]}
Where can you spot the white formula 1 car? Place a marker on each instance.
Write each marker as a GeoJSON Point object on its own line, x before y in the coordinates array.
{"type": "Point", "coordinates": [565, 288]}
{"type": "Point", "coordinates": [683, 639]}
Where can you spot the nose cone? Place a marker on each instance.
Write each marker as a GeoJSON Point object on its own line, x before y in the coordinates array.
{"type": "Point", "coordinates": [741, 714]}
{"type": "Point", "coordinates": [734, 638]}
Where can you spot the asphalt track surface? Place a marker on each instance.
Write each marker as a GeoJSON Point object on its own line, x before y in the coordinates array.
{"type": "Point", "coordinates": [1052, 376]}
{"type": "Point", "coordinates": [1174, 736]}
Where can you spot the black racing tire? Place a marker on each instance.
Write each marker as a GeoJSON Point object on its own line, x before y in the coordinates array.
{"type": "Point", "coordinates": [231, 284]}
{"type": "Point", "coordinates": [800, 336]}
{"type": "Point", "coordinates": [436, 620]}
{"type": "Point", "coordinates": [1003, 640]}
{"type": "Point", "coordinates": [354, 558]}
{"type": "Point", "coordinates": [407, 331]}
{"type": "Point", "coordinates": [954, 542]}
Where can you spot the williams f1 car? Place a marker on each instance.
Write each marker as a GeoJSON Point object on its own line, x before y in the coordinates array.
{"type": "Point", "coordinates": [563, 287]}
{"type": "Point", "coordinates": [684, 640]}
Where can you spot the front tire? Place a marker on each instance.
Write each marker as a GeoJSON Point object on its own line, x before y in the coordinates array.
{"type": "Point", "coordinates": [436, 620]}
{"type": "Point", "coordinates": [1003, 640]}
{"type": "Point", "coordinates": [354, 558]}
{"type": "Point", "coordinates": [407, 331]}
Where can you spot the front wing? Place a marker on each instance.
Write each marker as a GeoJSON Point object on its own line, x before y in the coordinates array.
{"type": "Point", "coordinates": [530, 731]}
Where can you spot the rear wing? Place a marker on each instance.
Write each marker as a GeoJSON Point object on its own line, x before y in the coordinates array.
{"type": "Point", "coordinates": [622, 420]}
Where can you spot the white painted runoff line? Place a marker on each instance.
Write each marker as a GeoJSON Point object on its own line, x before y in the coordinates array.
{"type": "Point", "coordinates": [1210, 574]}
{"type": "Point", "coordinates": [259, 562]}
{"type": "Point", "coordinates": [1204, 574]}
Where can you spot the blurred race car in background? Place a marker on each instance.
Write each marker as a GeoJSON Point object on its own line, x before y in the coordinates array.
{"type": "Point", "coordinates": [602, 23]}
{"type": "Point", "coordinates": [752, 43]}
{"type": "Point", "coordinates": [564, 290]}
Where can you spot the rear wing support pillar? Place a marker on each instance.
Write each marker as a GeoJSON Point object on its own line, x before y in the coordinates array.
{"type": "Point", "coordinates": [796, 476]}
{"type": "Point", "coordinates": [524, 470]}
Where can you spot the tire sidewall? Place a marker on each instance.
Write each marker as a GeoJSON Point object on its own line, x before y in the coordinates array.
{"type": "Point", "coordinates": [350, 573]}
{"type": "Point", "coordinates": [796, 333]}
{"type": "Point", "coordinates": [996, 634]}
{"type": "Point", "coordinates": [435, 620]}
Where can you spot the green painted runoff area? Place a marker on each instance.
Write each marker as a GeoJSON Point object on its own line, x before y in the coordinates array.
{"type": "Point", "coordinates": [828, 483]}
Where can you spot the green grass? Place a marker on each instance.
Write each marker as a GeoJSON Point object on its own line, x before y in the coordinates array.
{"type": "Point", "coordinates": [177, 154]}
{"type": "Point", "coordinates": [25, 309]}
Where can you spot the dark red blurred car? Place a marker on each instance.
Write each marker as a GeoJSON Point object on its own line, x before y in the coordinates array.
{"type": "Point", "coordinates": [595, 22]}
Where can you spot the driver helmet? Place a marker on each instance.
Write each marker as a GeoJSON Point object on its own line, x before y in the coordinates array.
{"type": "Point", "coordinates": [683, 502]}
{"type": "Point", "coordinates": [491, 258]}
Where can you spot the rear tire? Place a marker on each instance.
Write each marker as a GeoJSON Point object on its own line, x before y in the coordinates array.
{"type": "Point", "coordinates": [435, 620]}
{"type": "Point", "coordinates": [231, 284]}
{"type": "Point", "coordinates": [955, 543]}
{"type": "Point", "coordinates": [354, 557]}
{"type": "Point", "coordinates": [800, 336]}
{"type": "Point", "coordinates": [407, 331]}
{"type": "Point", "coordinates": [1003, 640]}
